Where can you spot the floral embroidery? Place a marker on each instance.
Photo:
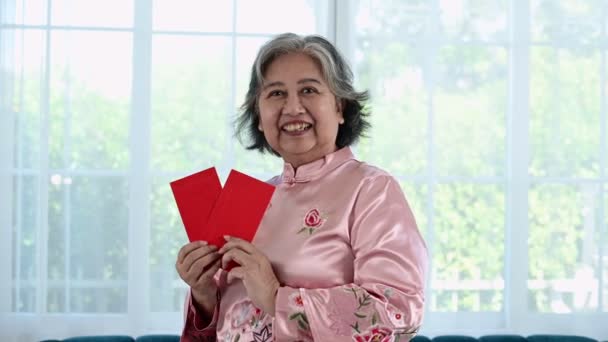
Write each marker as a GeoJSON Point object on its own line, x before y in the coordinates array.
{"type": "Point", "coordinates": [363, 300]}
{"type": "Point", "coordinates": [313, 220]}
{"type": "Point", "coordinates": [375, 333]}
{"type": "Point", "coordinates": [388, 292]}
{"type": "Point", "coordinates": [227, 336]}
{"type": "Point", "coordinates": [362, 312]}
{"type": "Point", "coordinates": [264, 335]}
{"type": "Point", "coordinates": [396, 316]}
{"type": "Point", "coordinates": [245, 313]}
{"type": "Point", "coordinates": [297, 304]}
{"type": "Point", "coordinates": [257, 318]}
{"type": "Point", "coordinates": [301, 319]}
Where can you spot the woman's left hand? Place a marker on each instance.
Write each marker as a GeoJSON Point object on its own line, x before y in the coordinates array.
{"type": "Point", "coordinates": [255, 271]}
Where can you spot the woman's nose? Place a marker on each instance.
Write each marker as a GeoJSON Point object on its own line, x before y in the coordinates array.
{"type": "Point", "coordinates": [293, 105]}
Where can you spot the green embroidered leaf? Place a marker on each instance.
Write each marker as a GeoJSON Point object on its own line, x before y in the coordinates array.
{"type": "Point", "coordinates": [294, 316]}
{"type": "Point", "coordinates": [375, 318]}
{"type": "Point", "coordinates": [366, 300]}
{"type": "Point", "coordinates": [237, 337]}
{"type": "Point", "coordinates": [305, 319]}
{"type": "Point", "coordinates": [302, 325]}
{"type": "Point", "coordinates": [356, 327]}
{"type": "Point", "coordinates": [303, 229]}
{"type": "Point", "coordinates": [360, 315]}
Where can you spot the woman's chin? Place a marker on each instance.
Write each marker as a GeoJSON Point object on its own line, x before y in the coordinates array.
{"type": "Point", "coordinates": [296, 150]}
{"type": "Point", "coordinates": [298, 146]}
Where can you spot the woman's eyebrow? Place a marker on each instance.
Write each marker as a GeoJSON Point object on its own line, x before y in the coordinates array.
{"type": "Point", "coordinates": [309, 80]}
{"type": "Point", "coordinates": [273, 84]}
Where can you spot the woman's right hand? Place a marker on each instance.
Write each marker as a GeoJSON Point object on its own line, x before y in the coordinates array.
{"type": "Point", "coordinates": [196, 264]}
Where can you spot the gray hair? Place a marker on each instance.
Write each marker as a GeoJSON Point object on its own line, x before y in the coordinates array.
{"type": "Point", "coordinates": [336, 73]}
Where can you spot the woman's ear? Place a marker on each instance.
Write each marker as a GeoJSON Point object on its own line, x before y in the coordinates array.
{"type": "Point", "coordinates": [259, 117]}
{"type": "Point", "coordinates": [339, 106]}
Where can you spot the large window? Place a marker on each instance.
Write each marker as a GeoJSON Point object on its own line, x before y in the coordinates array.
{"type": "Point", "coordinates": [492, 114]}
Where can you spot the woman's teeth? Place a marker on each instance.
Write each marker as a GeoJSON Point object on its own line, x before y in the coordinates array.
{"type": "Point", "coordinates": [296, 127]}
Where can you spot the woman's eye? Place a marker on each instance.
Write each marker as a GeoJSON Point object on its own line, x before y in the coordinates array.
{"type": "Point", "coordinates": [275, 93]}
{"type": "Point", "coordinates": [309, 90]}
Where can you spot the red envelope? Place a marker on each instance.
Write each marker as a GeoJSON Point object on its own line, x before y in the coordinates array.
{"type": "Point", "coordinates": [196, 196]}
{"type": "Point", "coordinates": [239, 209]}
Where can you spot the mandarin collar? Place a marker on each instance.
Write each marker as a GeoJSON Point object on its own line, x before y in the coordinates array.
{"type": "Point", "coordinates": [317, 168]}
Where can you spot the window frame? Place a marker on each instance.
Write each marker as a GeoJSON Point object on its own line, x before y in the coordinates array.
{"type": "Point", "coordinates": [336, 23]}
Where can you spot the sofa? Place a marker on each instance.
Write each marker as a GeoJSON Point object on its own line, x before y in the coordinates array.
{"type": "Point", "coordinates": [445, 338]}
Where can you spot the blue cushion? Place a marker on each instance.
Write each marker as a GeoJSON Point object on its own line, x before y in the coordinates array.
{"type": "Point", "coordinates": [107, 338]}
{"type": "Point", "coordinates": [502, 338]}
{"type": "Point", "coordinates": [158, 338]}
{"type": "Point", "coordinates": [454, 338]}
{"type": "Point", "coordinates": [420, 338]}
{"type": "Point", "coordinates": [559, 338]}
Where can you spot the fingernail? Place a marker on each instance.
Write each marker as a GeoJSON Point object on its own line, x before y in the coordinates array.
{"type": "Point", "coordinates": [203, 243]}
{"type": "Point", "coordinates": [226, 237]}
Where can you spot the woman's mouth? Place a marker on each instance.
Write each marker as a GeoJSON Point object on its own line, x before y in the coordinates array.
{"type": "Point", "coordinates": [296, 128]}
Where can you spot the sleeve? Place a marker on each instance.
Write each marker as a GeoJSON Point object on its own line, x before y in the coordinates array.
{"type": "Point", "coordinates": [197, 328]}
{"type": "Point", "coordinates": [386, 299]}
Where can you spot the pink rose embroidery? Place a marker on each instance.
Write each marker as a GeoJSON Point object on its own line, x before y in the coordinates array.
{"type": "Point", "coordinates": [244, 314]}
{"type": "Point", "coordinates": [374, 334]}
{"type": "Point", "coordinates": [312, 220]}
{"type": "Point", "coordinates": [296, 302]}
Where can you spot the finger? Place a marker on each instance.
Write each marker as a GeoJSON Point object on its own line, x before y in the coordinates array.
{"type": "Point", "coordinates": [187, 248]}
{"type": "Point", "coordinates": [204, 262]}
{"type": "Point", "coordinates": [233, 242]}
{"type": "Point", "coordinates": [210, 272]}
{"type": "Point", "coordinates": [237, 256]}
{"type": "Point", "coordinates": [235, 273]}
{"type": "Point", "coordinates": [185, 251]}
{"type": "Point", "coordinates": [199, 267]}
{"type": "Point", "coordinates": [195, 255]}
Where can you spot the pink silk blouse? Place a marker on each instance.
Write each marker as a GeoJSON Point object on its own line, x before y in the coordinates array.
{"type": "Point", "coordinates": [345, 247]}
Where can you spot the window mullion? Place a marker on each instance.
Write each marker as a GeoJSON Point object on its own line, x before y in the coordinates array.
{"type": "Point", "coordinates": [343, 28]}
{"type": "Point", "coordinates": [230, 159]}
{"type": "Point", "coordinates": [603, 141]}
{"type": "Point", "coordinates": [518, 150]}
{"type": "Point", "coordinates": [43, 184]}
{"type": "Point", "coordinates": [7, 120]}
{"type": "Point", "coordinates": [139, 171]}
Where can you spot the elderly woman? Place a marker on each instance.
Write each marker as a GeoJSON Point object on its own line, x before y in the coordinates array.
{"type": "Point", "coordinates": [337, 255]}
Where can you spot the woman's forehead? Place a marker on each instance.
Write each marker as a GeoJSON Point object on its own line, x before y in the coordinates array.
{"type": "Point", "coordinates": [299, 68]}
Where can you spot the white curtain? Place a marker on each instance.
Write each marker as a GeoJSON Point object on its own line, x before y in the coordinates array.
{"type": "Point", "coordinates": [491, 113]}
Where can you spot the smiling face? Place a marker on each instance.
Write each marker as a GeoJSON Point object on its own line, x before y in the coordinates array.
{"type": "Point", "coordinates": [299, 114]}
